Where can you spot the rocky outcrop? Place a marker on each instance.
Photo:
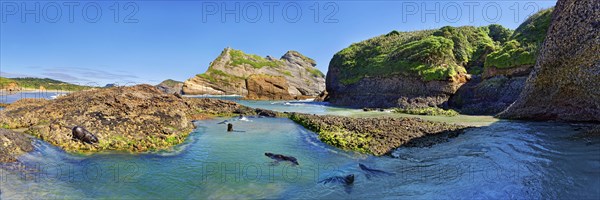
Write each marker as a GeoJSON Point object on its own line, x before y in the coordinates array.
{"type": "Point", "coordinates": [227, 74]}
{"type": "Point", "coordinates": [391, 91]}
{"type": "Point", "coordinates": [376, 136]}
{"type": "Point", "coordinates": [171, 87]}
{"type": "Point", "coordinates": [12, 145]}
{"type": "Point", "coordinates": [324, 96]}
{"type": "Point", "coordinates": [137, 118]}
{"type": "Point", "coordinates": [487, 96]}
{"type": "Point", "coordinates": [566, 79]}
{"type": "Point", "coordinates": [407, 69]}
{"type": "Point", "coordinates": [265, 87]}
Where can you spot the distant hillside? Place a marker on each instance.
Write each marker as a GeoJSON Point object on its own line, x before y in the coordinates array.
{"type": "Point", "coordinates": [37, 83]}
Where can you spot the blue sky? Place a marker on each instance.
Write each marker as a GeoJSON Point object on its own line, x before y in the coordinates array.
{"type": "Point", "coordinates": [147, 42]}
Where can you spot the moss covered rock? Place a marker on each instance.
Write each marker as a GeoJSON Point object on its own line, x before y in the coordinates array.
{"type": "Point", "coordinates": [376, 136]}
{"type": "Point", "coordinates": [138, 118]}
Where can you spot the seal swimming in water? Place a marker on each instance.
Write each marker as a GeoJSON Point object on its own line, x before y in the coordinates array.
{"type": "Point", "coordinates": [346, 180]}
{"type": "Point", "coordinates": [83, 135]}
{"type": "Point", "coordinates": [279, 157]}
{"type": "Point", "coordinates": [373, 172]}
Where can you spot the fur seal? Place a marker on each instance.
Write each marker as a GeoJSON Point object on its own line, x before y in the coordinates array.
{"type": "Point", "coordinates": [83, 135]}
{"type": "Point", "coordinates": [279, 157]}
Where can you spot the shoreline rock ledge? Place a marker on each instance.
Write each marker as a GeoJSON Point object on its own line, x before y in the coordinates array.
{"type": "Point", "coordinates": [137, 118]}
{"type": "Point", "coordinates": [377, 136]}
{"type": "Point", "coordinates": [565, 83]}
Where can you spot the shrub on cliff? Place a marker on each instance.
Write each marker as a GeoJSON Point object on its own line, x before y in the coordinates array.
{"type": "Point", "coordinates": [430, 54]}
{"type": "Point", "coordinates": [522, 46]}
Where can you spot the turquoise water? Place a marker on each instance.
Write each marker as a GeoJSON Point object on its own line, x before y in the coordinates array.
{"type": "Point", "coordinates": [500, 160]}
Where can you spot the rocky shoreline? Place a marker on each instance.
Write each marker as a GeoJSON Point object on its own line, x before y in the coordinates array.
{"type": "Point", "coordinates": [136, 119]}
{"type": "Point", "coordinates": [12, 145]}
{"type": "Point", "coordinates": [377, 136]}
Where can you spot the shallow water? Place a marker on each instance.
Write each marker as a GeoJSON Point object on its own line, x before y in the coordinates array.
{"type": "Point", "coordinates": [502, 159]}
{"type": "Point", "coordinates": [6, 97]}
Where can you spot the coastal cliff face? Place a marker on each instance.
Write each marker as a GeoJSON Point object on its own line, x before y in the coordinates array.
{"type": "Point", "coordinates": [227, 74]}
{"type": "Point", "coordinates": [565, 83]}
{"type": "Point", "coordinates": [505, 70]}
{"type": "Point", "coordinates": [407, 69]}
{"type": "Point", "coordinates": [430, 68]}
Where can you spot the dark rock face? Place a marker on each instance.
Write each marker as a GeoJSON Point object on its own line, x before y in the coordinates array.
{"type": "Point", "coordinates": [13, 144]}
{"type": "Point", "coordinates": [487, 96]}
{"type": "Point", "coordinates": [392, 91]}
{"type": "Point", "coordinates": [565, 83]}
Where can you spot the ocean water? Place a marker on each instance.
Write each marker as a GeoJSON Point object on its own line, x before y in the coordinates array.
{"type": "Point", "coordinates": [499, 160]}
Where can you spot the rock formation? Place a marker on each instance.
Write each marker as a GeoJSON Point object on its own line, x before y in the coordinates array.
{"type": "Point", "coordinates": [137, 118]}
{"type": "Point", "coordinates": [12, 145]}
{"type": "Point", "coordinates": [376, 136]}
{"type": "Point", "coordinates": [227, 74]}
{"type": "Point", "coordinates": [565, 83]}
{"type": "Point", "coordinates": [407, 69]}
{"type": "Point", "coordinates": [171, 87]}
{"type": "Point", "coordinates": [265, 87]}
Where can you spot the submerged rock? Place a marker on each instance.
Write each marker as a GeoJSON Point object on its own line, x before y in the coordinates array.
{"type": "Point", "coordinates": [12, 145]}
{"type": "Point", "coordinates": [565, 83]}
{"type": "Point", "coordinates": [376, 136]}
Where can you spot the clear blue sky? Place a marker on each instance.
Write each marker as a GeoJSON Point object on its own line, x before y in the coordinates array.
{"type": "Point", "coordinates": [178, 39]}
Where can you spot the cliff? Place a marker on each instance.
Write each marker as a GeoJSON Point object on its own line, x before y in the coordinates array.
{"type": "Point", "coordinates": [517, 56]}
{"type": "Point", "coordinates": [565, 82]}
{"type": "Point", "coordinates": [227, 74]}
{"type": "Point", "coordinates": [408, 69]}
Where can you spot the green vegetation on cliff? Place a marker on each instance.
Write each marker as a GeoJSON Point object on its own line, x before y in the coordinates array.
{"type": "Point", "coordinates": [36, 83]}
{"type": "Point", "coordinates": [522, 47]}
{"type": "Point", "coordinates": [239, 58]}
{"type": "Point", "coordinates": [430, 54]}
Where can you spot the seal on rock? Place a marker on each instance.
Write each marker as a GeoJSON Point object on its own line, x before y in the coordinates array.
{"type": "Point", "coordinates": [83, 135]}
